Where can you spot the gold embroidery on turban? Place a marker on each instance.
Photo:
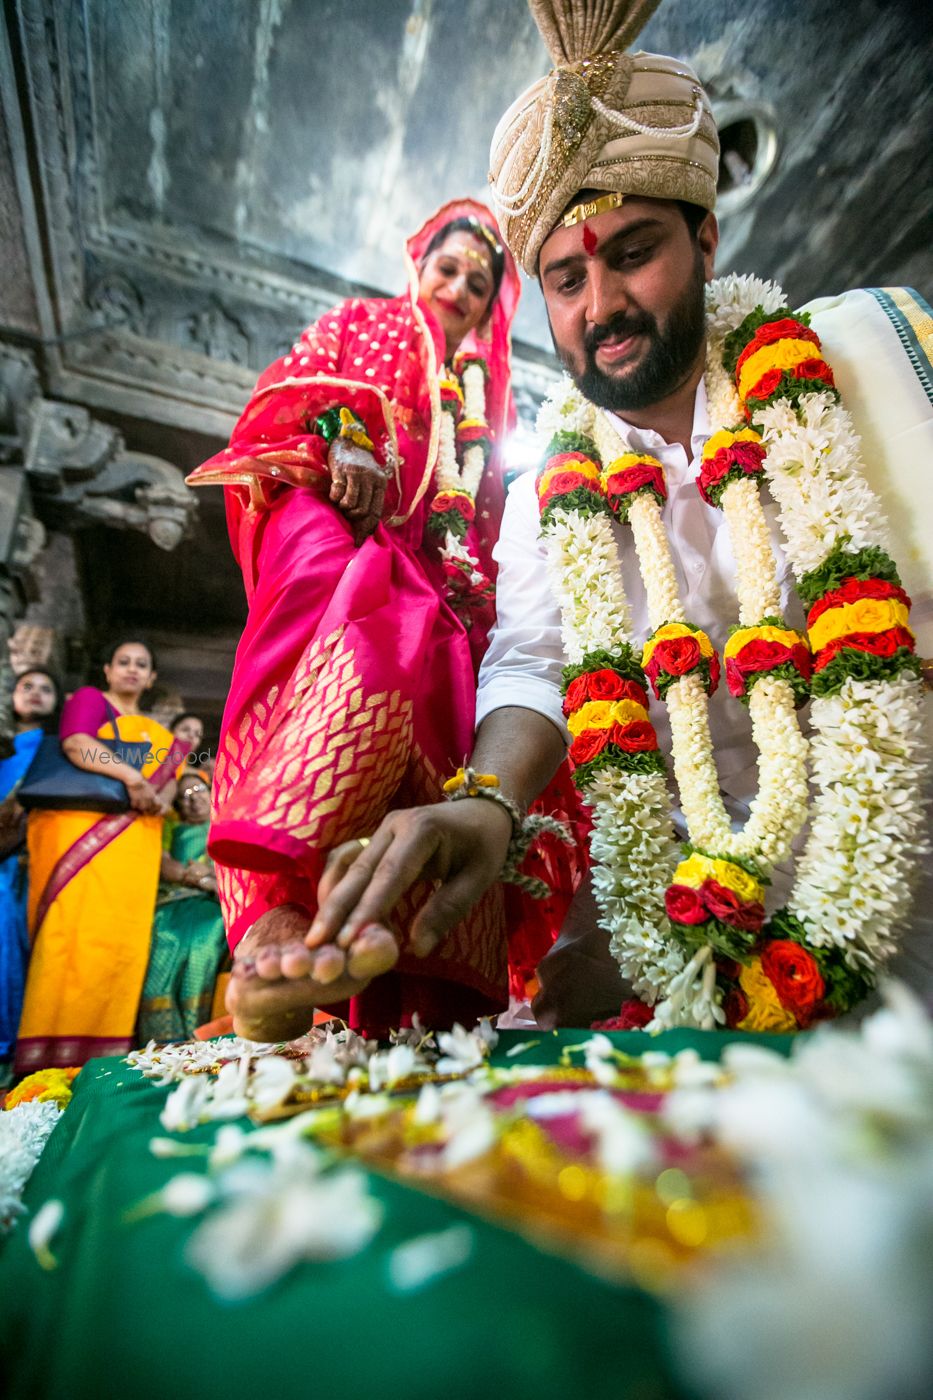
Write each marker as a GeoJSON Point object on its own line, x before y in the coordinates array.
{"type": "Point", "coordinates": [602, 119]}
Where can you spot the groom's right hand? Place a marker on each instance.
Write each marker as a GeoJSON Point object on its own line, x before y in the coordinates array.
{"type": "Point", "coordinates": [462, 845]}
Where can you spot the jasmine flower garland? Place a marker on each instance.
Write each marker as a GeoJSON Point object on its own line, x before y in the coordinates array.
{"type": "Point", "coordinates": [694, 939]}
{"type": "Point", "coordinates": [453, 508]}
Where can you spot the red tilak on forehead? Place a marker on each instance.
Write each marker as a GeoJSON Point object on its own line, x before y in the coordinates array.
{"type": "Point", "coordinates": [590, 241]}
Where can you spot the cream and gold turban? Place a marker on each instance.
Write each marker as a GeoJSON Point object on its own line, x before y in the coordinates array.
{"type": "Point", "coordinates": [603, 119]}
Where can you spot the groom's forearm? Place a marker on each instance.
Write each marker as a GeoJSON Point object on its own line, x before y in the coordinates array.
{"type": "Point", "coordinates": [522, 748]}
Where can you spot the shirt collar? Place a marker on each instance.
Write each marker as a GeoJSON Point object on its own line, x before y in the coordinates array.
{"type": "Point", "coordinates": [648, 441]}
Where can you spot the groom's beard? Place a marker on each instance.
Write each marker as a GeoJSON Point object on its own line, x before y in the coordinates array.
{"type": "Point", "coordinates": [668, 361]}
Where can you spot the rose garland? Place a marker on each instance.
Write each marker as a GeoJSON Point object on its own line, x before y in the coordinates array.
{"type": "Point", "coordinates": [453, 509]}
{"type": "Point", "coordinates": [693, 936]}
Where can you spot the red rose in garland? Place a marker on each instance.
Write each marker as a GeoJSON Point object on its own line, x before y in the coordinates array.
{"type": "Point", "coordinates": [875, 643]}
{"type": "Point", "coordinates": [760, 656]}
{"type": "Point", "coordinates": [563, 482]}
{"type": "Point", "coordinates": [685, 906]}
{"type": "Point", "coordinates": [625, 482]}
{"type": "Point", "coordinates": [724, 904]}
{"type": "Point", "coordinates": [638, 736]}
{"type": "Point", "coordinates": [815, 369]}
{"type": "Point", "coordinates": [577, 695]}
{"type": "Point", "coordinates": [766, 384]}
{"type": "Point", "coordinates": [605, 685]}
{"type": "Point", "coordinates": [588, 745]}
{"type": "Point", "coordinates": [458, 501]}
{"type": "Point", "coordinates": [633, 1016]}
{"type": "Point", "coordinates": [735, 1005]}
{"type": "Point", "coordinates": [786, 329]}
{"type": "Point", "coordinates": [853, 590]}
{"type": "Point", "coordinates": [678, 655]}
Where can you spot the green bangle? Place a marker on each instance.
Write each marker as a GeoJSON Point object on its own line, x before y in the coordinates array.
{"type": "Point", "coordinates": [327, 425]}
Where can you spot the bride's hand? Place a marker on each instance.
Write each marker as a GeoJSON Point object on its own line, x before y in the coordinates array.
{"type": "Point", "coordinates": [358, 486]}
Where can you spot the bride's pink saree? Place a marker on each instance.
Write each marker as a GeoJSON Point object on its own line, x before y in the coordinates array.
{"type": "Point", "coordinates": [354, 682]}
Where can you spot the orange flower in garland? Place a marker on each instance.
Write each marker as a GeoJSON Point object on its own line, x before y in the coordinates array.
{"type": "Point", "coordinates": [793, 973]}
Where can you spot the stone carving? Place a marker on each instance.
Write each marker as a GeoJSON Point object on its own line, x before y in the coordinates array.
{"type": "Point", "coordinates": [66, 444]}
{"type": "Point", "coordinates": [114, 301]}
{"type": "Point", "coordinates": [217, 334]}
{"type": "Point", "coordinates": [60, 467]}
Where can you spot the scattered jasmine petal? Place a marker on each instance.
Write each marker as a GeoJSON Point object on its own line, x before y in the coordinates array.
{"type": "Point", "coordinates": [324, 1066]}
{"type": "Point", "coordinates": [401, 1061]}
{"type": "Point", "coordinates": [363, 1106]}
{"type": "Point", "coordinates": [185, 1104]}
{"type": "Point", "coordinates": [902, 1026]}
{"type": "Point", "coordinates": [171, 1147]}
{"type": "Point", "coordinates": [253, 1240]}
{"type": "Point", "coordinates": [462, 1050]}
{"type": "Point", "coordinates": [688, 1070]}
{"type": "Point", "coordinates": [186, 1194]}
{"type": "Point", "coordinates": [428, 1107]}
{"type": "Point", "coordinates": [689, 1113]}
{"type": "Point", "coordinates": [275, 1136]}
{"type": "Point", "coordinates": [42, 1229]}
{"type": "Point", "coordinates": [227, 1097]}
{"type": "Point", "coordinates": [272, 1082]}
{"type": "Point", "coordinates": [521, 1047]}
{"type": "Point", "coordinates": [742, 1058]}
{"type": "Point", "coordinates": [623, 1139]}
{"type": "Point", "coordinates": [229, 1145]}
{"type": "Point", "coordinates": [420, 1261]}
{"type": "Point", "coordinates": [469, 1125]}
{"type": "Point", "coordinates": [603, 1071]}
{"type": "Point", "coordinates": [487, 1032]}
{"type": "Point", "coordinates": [557, 1104]}
{"type": "Point", "coordinates": [378, 1071]}
{"type": "Point", "coordinates": [167, 1064]}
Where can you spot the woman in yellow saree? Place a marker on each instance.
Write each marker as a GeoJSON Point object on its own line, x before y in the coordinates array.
{"type": "Point", "coordinates": [93, 879]}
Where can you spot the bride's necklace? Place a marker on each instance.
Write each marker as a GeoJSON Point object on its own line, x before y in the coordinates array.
{"type": "Point", "coordinates": [688, 926]}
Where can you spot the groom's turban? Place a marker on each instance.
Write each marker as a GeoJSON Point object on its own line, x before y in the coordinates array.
{"type": "Point", "coordinates": [603, 119]}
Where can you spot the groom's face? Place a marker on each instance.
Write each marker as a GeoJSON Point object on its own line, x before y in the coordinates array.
{"type": "Point", "coordinates": [625, 299]}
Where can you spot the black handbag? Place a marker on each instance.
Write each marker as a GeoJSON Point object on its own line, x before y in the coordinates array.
{"type": "Point", "coordinates": [53, 782]}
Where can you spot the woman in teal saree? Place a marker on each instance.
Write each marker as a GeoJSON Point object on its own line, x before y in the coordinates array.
{"type": "Point", "coordinates": [189, 947]}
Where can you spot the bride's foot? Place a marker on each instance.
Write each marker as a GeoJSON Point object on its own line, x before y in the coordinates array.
{"type": "Point", "coordinates": [277, 982]}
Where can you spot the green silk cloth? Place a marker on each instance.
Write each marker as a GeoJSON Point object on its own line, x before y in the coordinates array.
{"type": "Point", "coordinates": [188, 949]}
{"type": "Point", "coordinates": [123, 1316]}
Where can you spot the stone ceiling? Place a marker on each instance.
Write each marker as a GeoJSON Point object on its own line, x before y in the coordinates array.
{"type": "Point", "coordinates": [214, 172]}
{"type": "Point", "coordinates": [186, 183]}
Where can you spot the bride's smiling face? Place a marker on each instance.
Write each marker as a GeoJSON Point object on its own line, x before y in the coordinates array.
{"type": "Point", "coordinates": [456, 285]}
